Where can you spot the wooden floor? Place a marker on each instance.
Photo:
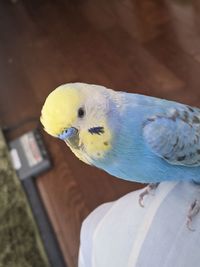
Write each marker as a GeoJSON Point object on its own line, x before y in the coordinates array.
{"type": "Point", "coordinates": [150, 47]}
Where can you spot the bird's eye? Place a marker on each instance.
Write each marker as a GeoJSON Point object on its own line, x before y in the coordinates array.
{"type": "Point", "coordinates": [81, 112]}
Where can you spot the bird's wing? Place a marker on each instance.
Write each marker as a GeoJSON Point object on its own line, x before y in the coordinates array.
{"type": "Point", "coordinates": [175, 135]}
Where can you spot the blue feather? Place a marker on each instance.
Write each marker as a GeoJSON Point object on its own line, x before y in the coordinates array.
{"type": "Point", "coordinates": [158, 140]}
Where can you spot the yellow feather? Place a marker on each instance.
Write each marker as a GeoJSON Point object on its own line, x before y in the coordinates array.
{"type": "Point", "coordinates": [56, 113]}
{"type": "Point", "coordinates": [96, 145]}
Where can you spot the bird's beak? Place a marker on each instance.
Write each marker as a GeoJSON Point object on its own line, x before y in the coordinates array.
{"type": "Point", "coordinates": [73, 138]}
{"type": "Point", "coordinates": [72, 132]}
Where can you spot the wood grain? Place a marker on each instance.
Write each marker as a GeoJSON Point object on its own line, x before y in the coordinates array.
{"type": "Point", "coordinates": [149, 47]}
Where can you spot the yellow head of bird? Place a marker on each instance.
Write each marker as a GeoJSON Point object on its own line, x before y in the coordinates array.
{"type": "Point", "coordinates": [79, 110]}
{"type": "Point", "coordinates": [60, 109]}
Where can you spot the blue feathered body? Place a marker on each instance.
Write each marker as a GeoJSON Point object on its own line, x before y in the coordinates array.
{"type": "Point", "coordinates": [154, 140]}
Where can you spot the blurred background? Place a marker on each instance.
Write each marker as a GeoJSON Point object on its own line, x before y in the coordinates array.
{"type": "Point", "coordinates": [141, 46]}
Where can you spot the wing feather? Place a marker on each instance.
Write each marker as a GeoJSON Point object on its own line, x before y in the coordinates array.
{"type": "Point", "coordinates": [175, 135]}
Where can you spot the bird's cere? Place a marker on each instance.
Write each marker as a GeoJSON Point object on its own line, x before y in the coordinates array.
{"type": "Point", "coordinates": [68, 133]}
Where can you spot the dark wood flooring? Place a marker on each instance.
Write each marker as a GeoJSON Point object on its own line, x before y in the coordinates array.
{"type": "Point", "coordinates": [149, 47]}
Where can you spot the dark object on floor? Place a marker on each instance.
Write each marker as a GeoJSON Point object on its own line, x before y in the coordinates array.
{"type": "Point", "coordinates": [46, 231]}
{"type": "Point", "coordinates": [29, 155]}
{"type": "Point", "coordinates": [20, 241]}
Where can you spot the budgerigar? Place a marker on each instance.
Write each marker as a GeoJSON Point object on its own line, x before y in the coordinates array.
{"type": "Point", "coordinates": [131, 136]}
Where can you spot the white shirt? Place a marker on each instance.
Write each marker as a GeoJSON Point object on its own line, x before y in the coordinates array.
{"type": "Point", "coordinates": [123, 234]}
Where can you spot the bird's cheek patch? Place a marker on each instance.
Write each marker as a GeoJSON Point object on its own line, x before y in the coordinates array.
{"type": "Point", "coordinates": [96, 145]}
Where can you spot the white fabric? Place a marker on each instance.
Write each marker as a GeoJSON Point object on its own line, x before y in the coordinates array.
{"type": "Point", "coordinates": [122, 234]}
